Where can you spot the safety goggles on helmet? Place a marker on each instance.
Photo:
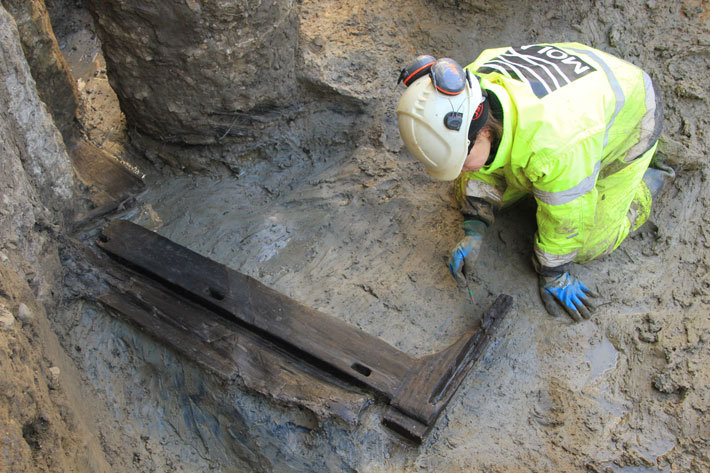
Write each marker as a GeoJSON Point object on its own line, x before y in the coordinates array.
{"type": "Point", "coordinates": [439, 114]}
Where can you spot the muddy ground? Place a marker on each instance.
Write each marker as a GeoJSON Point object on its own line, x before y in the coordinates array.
{"type": "Point", "coordinates": [359, 231]}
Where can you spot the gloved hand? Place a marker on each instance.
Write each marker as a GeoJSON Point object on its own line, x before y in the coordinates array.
{"type": "Point", "coordinates": [567, 291]}
{"type": "Point", "coordinates": [465, 253]}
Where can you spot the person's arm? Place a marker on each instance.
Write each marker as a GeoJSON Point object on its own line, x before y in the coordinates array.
{"type": "Point", "coordinates": [564, 189]}
{"type": "Point", "coordinates": [479, 199]}
{"type": "Point", "coordinates": [480, 196]}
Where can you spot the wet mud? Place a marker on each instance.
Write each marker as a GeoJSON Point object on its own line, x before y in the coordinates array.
{"type": "Point", "coordinates": [361, 233]}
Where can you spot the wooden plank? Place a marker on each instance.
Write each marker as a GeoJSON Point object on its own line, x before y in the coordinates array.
{"type": "Point", "coordinates": [102, 210]}
{"type": "Point", "coordinates": [190, 346]}
{"type": "Point", "coordinates": [108, 180]}
{"type": "Point", "coordinates": [226, 349]}
{"type": "Point", "coordinates": [324, 340]}
{"type": "Point", "coordinates": [409, 428]}
{"type": "Point", "coordinates": [430, 386]}
{"type": "Point", "coordinates": [418, 389]}
{"type": "Point", "coordinates": [109, 184]}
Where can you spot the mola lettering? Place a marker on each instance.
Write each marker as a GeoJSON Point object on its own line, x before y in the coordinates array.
{"type": "Point", "coordinates": [544, 68]}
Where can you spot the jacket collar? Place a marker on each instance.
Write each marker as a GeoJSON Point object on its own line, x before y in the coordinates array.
{"type": "Point", "coordinates": [510, 117]}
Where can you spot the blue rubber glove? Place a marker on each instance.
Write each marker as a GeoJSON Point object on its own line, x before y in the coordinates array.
{"type": "Point", "coordinates": [566, 291]}
{"type": "Point", "coordinates": [465, 253]}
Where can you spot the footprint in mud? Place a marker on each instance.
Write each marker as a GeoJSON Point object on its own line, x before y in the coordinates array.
{"type": "Point", "coordinates": [551, 405]}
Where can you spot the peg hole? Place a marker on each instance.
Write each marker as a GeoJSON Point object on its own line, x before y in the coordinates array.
{"type": "Point", "coordinates": [362, 369]}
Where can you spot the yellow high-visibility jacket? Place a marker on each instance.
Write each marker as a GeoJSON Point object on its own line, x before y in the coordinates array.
{"type": "Point", "coordinates": [572, 117]}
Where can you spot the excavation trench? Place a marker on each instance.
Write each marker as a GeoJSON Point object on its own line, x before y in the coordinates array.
{"type": "Point", "coordinates": [311, 193]}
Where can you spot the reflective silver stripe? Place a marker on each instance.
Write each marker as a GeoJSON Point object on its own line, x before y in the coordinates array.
{"type": "Point", "coordinates": [485, 191]}
{"type": "Point", "coordinates": [648, 123]}
{"type": "Point", "coordinates": [615, 86]}
{"type": "Point", "coordinates": [550, 260]}
{"type": "Point", "coordinates": [563, 197]}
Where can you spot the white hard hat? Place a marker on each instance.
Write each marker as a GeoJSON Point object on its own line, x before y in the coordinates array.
{"type": "Point", "coordinates": [434, 115]}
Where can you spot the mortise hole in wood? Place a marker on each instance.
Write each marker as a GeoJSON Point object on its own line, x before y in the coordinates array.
{"type": "Point", "coordinates": [215, 293]}
{"type": "Point", "coordinates": [362, 369]}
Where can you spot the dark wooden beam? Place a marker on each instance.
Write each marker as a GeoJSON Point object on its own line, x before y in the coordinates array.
{"type": "Point", "coordinates": [223, 348]}
{"type": "Point", "coordinates": [418, 389]}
